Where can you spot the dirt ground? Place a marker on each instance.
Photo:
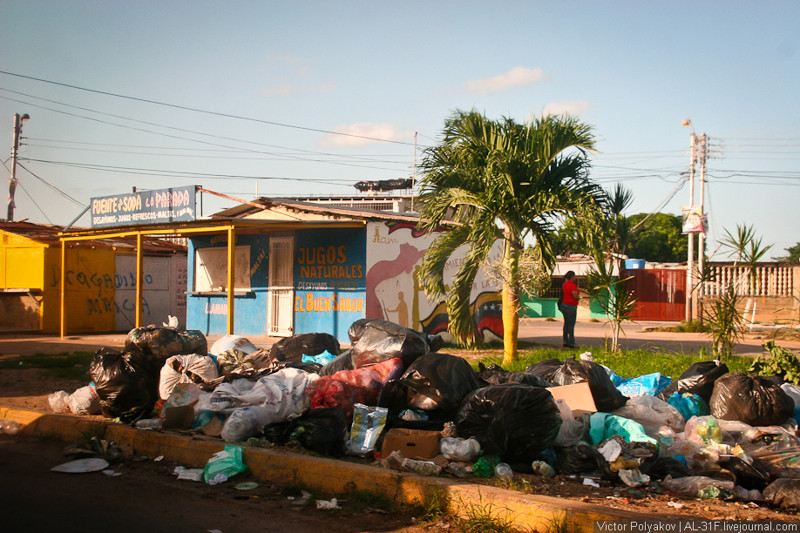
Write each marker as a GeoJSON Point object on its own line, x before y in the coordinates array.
{"type": "Point", "coordinates": [28, 388]}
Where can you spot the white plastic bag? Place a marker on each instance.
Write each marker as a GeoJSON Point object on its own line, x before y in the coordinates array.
{"type": "Point", "coordinates": [572, 430]}
{"type": "Point", "coordinates": [652, 413]}
{"type": "Point", "coordinates": [177, 368]}
{"type": "Point", "coordinates": [458, 449]}
{"type": "Point", "coordinates": [228, 342]}
{"type": "Point", "coordinates": [58, 401]}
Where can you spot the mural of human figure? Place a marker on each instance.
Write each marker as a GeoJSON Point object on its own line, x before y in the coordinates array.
{"type": "Point", "coordinates": [401, 309]}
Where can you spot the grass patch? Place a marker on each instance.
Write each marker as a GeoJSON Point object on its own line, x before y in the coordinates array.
{"type": "Point", "coordinates": [72, 365]}
{"type": "Point", "coordinates": [685, 327]}
{"type": "Point", "coordinates": [628, 364]}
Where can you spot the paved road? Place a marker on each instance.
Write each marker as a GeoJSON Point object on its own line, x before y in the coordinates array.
{"type": "Point", "coordinates": [540, 331]}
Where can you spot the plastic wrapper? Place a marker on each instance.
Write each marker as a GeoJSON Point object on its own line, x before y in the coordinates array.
{"type": "Point", "coordinates": [374, 341]}
{"type": "Point", "coordinates": [164, 342]}
{"type": "Point", "coordinates": [458, 449]}
{"type": "Point", "coordinates": [688, 404]}
{"type": "Point", "coordinates": [606, 396]}
{"type": "Point", "coordinates": [126, 384]}
{"type": "Point", "coordinates": [367, 426]}
{"type": "Point", "coordinates": [604, 426]}
{"type": "Point", "coordinates": [573, 430]}
{"type": "Point", "coordinates": [348, 387]}
{"type": "Point", "coordinates": [690, 486]}
{"type": "Point", "coordinates": [698, 379]}
{"type": "Point", "coordinates": [754, 400]}
{"type": "Point", "coordinates": [703, 430]}
{"type": "Point", "coordinates": [192, 368]}
{"type": "Point", "coordinates": [496, 375]}
{"type": "Point", "coordinates": [516, 422]}
{"type": "Point", "coordinates": [295, 347]}
{"type": "Point", "coordinates": [435, 382]}
{"type": "Point", "coordinates": [225, 397]}
{"type": "Point", "coordinates": [343, 361]}
{"type": "Point", "coordinates": [321, 359]}
{"type": "Point", "coordinates": [237, 364]}
{"type": "Point", "coordinates": [652, 413]}
{"type": "Point", "coordinates": [84, 401]}
{"type": "Point", "coordinates": [651, 384]}
{"type": "Point", "coordinates": [227, 342]}
{"type": "Point", "coordinates": [224, 464]}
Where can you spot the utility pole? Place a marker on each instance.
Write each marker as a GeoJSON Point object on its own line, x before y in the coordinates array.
{"type": "Point", "coordinates": [690, 261]}
{"type": "Point", "coordinates": [12, 182]}
{"type": "Point", "coordinates": [701, 252]}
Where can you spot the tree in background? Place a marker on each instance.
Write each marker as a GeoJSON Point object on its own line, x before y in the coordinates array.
{"type": "Point", "coordinates": [794, 254]}
{"type": "Point", "coordinates": [497, 179]}
{"type": "Point", "coordinates": [657, 238]}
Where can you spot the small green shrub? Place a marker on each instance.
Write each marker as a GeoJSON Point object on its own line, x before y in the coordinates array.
{"type": "Point", "coordinates": [780, 362]}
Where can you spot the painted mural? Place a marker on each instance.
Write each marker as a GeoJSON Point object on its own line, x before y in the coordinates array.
{"type": "Point", "coordinates": [394, 291]}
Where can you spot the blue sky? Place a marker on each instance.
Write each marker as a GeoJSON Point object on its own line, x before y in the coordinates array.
{"type": "Point", "coordinates": [279, 82]}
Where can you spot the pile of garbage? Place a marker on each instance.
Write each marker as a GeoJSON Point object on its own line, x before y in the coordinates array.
{"type": "Point", "coordinates": [394, 397]}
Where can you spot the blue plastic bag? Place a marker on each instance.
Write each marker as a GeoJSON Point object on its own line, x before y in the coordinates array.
{"type": "Point", "coordinates": [688, 405]}
{"type": "Point", "coordinates": [323, 359]}
{"type": "Point", "coordinates": [651, 384]}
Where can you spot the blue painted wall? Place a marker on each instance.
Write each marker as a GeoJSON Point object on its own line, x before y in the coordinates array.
{"type": "Point", "coordinates": [209, 313]}
{"type": "Point", "coordinates": [330, 286]}
{"type": "Point", "coordinates": [330, 280]}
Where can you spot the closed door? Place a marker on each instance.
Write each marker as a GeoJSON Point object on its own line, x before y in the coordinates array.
{"type": "Point", "coordinates": [281, 287]}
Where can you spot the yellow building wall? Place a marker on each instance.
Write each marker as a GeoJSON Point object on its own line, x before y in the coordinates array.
{"type": "Point", "coordinates": [90, 287]}
{"type": "Point", "coordinates": [51, 293]}
{"type": "Point", "coordinates": [21, 282]}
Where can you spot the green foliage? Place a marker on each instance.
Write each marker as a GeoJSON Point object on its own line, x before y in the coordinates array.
{"type": "Point", "coordinates": [657, 238]}
{"type": "Point", "coordinates": [491, 180]}
{"type": "Point", "coordinates": [74, 365]}
{"type": "Point", "coordinates": [484, 517]}
{"type": "Point", "coordinates": [614, 298]}
{"type": "Point", "coordinates": [724, 321]}
{"type": "Point", "coordinates": [794, 254]}
{"type": "Point", "coordinates": [779, 362]}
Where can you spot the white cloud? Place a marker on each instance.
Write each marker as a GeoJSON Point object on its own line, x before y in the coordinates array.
{"type": "Point", "coordinates": [568, 107]}
{"type": "Point", "coordinates": [516, 77]}
{"type": "Point", "coordinates": [354, 135]}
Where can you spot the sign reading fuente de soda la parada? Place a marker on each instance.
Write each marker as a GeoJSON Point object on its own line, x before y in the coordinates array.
{"type": "Point", "coordinates": [176, 204]}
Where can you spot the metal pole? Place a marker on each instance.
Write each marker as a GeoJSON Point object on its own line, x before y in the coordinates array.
{"type": "Point", "coordinates": [12, 181]}
{"type": "Point", "coordinates": [139, 278]}
{"type": "Point", "coordinates": [701, 237]}
{"type": "Point", "coordinates": [690, 262]}
{"type": "Point", "coordinates": [231, 276]}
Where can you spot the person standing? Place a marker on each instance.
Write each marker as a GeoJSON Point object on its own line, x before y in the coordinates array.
{"type": "Point", "coordinates": [569, 308]}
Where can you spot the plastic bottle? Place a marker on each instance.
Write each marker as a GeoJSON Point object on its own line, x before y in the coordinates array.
{"type": "Point", "coordinates": [541, 468]}
{"type": "Point", "coordinates": [9, 427]}
{"type": "Point", "coordinates": [426, 468]}
{"type": "Point", "coordinates": [503, 471]}
{"type": "Point", "coordinates": [458, 469]}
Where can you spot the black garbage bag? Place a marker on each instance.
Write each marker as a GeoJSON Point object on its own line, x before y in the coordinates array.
{"type": "Point", "coordinates": [126, 383]}
{"type": "Point", "coordinates": [784, 493]}
{"type": "Point", "coordinates": [698, 379]}
{"type": "Point", "coordinates": [752, 475]}
{"type": "Point", "coordinates": [374, 341]}
{"type": "Point", "coordinates": [322, 430]}
{"type": "Point", "coordinates": [295, 347]}
{"type": "Point", "coordinates": [582, 459]}
{"type": "Point", "coordinates": [606, 396]}
{"type": "Point", "coordinates": [343, 361]}
{"type": "Point", "coordinates": [435, 382]}
{"type": "Point", "coordinates": [496, 375]}
{"type": "Point", "coordinates": [754, 400]}
{"type": "Point", "coordinates": [659, 467]}
{"type": "Point", "coordinates": [166, 342]}
{"type": "Point", "coordinates": [517, 422]}
{"type": "Point", "coordinates": [544, 369]}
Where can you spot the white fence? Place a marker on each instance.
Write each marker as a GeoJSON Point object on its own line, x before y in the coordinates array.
{"type": "Point", "coordinates": [772, 280]}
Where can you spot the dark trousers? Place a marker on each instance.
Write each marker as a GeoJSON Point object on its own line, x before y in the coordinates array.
{"type": "Point", "coordinates": [570, 313]}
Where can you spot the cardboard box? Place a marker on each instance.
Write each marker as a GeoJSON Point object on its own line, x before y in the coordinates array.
{"type": "Point", "coordinates": [577, 396]}
{"type": "Point", "coordinates": [412, 443]}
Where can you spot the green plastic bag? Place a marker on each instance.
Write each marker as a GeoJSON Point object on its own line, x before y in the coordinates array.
{"type": "Point", "coordinates": [224, 464]}
{"type": "Point", "coordinates": [604, 426]}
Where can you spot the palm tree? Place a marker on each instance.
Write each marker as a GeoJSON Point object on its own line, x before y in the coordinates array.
{"type": "Point", "coordinates": [490, 180]}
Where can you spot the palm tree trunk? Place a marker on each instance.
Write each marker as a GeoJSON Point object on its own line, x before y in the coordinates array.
{"type": "Point", "coordinates": [510, 299]}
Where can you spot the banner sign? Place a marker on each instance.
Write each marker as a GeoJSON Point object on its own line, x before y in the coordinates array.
{"type": "Point", "coordinates": [694, 221]}
{"type": "Point", "coordinates": [176, 204]}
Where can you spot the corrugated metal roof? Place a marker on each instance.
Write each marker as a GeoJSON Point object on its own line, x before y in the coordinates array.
{"type": "Point", "coordinates": [313, 208]}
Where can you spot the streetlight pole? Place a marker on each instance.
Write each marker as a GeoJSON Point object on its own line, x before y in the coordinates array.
{"type": "Point", "coordinates": [12, 182]}
{"type": "Point", "coordinates": [690, 261]}
{"type": "Point", "coordinates": [701, 252]}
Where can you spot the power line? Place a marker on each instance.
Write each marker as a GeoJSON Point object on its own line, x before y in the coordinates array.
{"type": "Point", "coordinates": [204, 111]}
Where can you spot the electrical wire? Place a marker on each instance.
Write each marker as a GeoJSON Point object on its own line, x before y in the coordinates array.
{"type": "Point", "coordinates": [204, 111]}
{"type": "Point", "coordinates": [19, 184]}
{"type": "Point", "coordinates": [62, 193]}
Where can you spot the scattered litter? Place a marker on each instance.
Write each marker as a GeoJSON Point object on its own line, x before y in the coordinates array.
{"type": "Point", "coordinates": [189, 474]}
{"type": "Point", "coordinates": [246, 485]}
{"type": "Point", "coordinates": [9, 427]}
{"type": "Point", "coordinates": [611, 450]}
{"type": "Point", "coordinates": [112, 473]}
{"type": "Point", "coordinates": [304, 497]}
{"type": "Point", "coordinates": [81, 466]}
{"type": "Point", "coordinates": [159, 458]}
{"type": "Point", "coordinates": [676, 505]}
{"type": "Point", "coordinates": [217, 479]}
{"type": "Point", "coordinates": [591, 483]}
{"type": "Point", "coordinates": [328, 505]}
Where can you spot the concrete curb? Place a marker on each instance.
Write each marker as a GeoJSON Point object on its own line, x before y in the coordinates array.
{"type": "Point", "coordinates": [330, 476]}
